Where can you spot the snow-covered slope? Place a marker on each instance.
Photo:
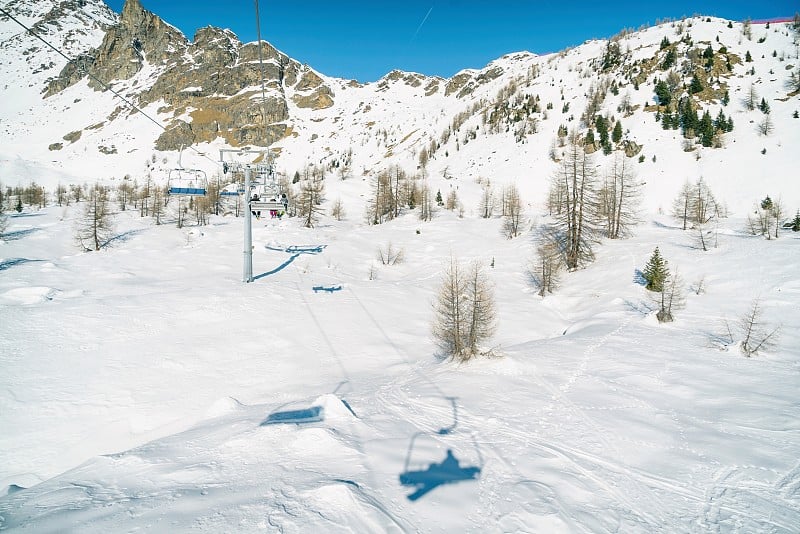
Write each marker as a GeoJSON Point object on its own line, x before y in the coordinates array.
{"type": "Point", "coordinates": [140, 384]}
{"type": "Point", "coordinates": [146, 373]}
{"type": "Point", "coordinates": [370, 127]}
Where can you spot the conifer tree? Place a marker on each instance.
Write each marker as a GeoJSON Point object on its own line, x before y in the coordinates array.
{"type": "Point", "coordinates": [655, 272]}
{"type": "Point", "coordinates": [616, 134]}
{"type": "Point", "coordinates": [706, 129]}
{"type": "Point", "coordinates": [696, 86]}
{"type": "Point", "coordinates": [796, 222]}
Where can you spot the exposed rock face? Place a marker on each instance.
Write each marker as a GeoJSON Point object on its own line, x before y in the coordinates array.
{"type": "Point", "coordinates": [215, 75]}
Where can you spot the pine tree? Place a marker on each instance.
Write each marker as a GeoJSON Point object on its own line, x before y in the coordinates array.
{"type": "Point", "coordinates": [696, 86]}
{"type": "Point", "coordinates": [796, 222]}
{"type": "Point", "coordinates": [616, 134]}
{"type": "Point", "coordinates": [763, 106]}
{"type": "Point", "coordinates": [706, 129]}
{"type": "Point", "coordinates": [589, 140]}
{"type": "Point", "coordinates": [663, 93]}
{"type": "Point", "coordinates": [669, 59]}
{"type": "Point", "coordinates": [655, 272]}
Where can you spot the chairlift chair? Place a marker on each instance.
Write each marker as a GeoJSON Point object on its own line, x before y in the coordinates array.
{"type": "Point", "coordinates": [187, 182]}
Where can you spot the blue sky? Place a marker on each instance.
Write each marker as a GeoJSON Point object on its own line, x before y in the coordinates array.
{"type": "Point", "coordinates": [364, 40]}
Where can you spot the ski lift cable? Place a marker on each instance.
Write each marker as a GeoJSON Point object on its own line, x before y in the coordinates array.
{"type": "Point", "coordinates": [263, 75]}
{"type": "Point", "coordinates": [95, 78]}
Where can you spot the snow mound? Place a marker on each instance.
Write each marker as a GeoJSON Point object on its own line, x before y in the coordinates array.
{"type": "Point", "coordinates": [224, 406]}
{"type": "Point", "coordinates": [28, 295]}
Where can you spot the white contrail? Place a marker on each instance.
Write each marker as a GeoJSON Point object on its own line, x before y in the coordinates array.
{"type": "Point", "coordinates": [421, 23]}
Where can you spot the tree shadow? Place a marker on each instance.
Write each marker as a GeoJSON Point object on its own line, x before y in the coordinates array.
{"type": "Point", "coordinates": [125, 236]}
{"type": "Point", "coordinates": [13, 262]}
{"type": "Point", "coordinates": [638, 277]}
{"type": "Point", "coordinates": [23, 215]}
{"type": "Point", "coordinates": [19, 234]}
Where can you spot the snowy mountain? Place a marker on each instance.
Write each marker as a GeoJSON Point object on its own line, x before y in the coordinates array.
{"type": "Point", "coordinates": [499, 123]}
{"type": "Point", "coordinates": [145, 387]}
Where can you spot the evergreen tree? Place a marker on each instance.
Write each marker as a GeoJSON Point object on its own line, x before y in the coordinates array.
{"type": "Point", "coordinates": [663, 93]}
{"type": "Point", "coordinates": [616, 135]}
{"type": "Point", "coordinates": [666, 120]}
{"type": "Point", "coordinates": [687, 117]}
{"type": "Point", "coordinates": [696, 86]}
{"type": "Point", "coordinates": [796, 222]}
{"type": "Point", "coordinates": [706, 129]}
{"type": "Point", "coordinates": [589, 141]}
{"type": "Point", "coordinates": [669, 59]}
{"type": "Point", "coordinates": [439, 201]}
{"type": "Point", "coordinates": [763, 106]}
{"type": "Point", "coordinates": [655, 272]}
{"type": "Point", "coordinates": [664, 43]}
{"type": "Point", "coordinates": [612, 57]}
{"type": "Point", "coordinates": [601, 123]}
{"type": "Point", "coordinates": [747, 57]}
{"type": "Point", "coordinates": [721, 122]}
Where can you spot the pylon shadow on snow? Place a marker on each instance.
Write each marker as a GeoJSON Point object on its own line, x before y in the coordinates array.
{"type": "Point", "coordinates": [295, 251]}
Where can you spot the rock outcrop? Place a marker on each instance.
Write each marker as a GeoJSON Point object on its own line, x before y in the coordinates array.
{"type": "Point", "coordinates": [215, 80]}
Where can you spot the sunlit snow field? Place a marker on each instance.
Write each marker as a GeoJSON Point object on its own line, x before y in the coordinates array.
{"type": "Point", "coordinates": [136, 380]}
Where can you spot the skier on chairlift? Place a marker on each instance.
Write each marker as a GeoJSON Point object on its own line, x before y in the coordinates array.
{"type": "Point", "coordinates": [254, 212]}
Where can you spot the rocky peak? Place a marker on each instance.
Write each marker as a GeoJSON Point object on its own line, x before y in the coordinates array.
{"type": "Point", "coordinates": [215, 79]}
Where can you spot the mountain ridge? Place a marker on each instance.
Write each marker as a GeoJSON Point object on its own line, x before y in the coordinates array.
{"type": "Point", "coordinates": [206, 94]}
